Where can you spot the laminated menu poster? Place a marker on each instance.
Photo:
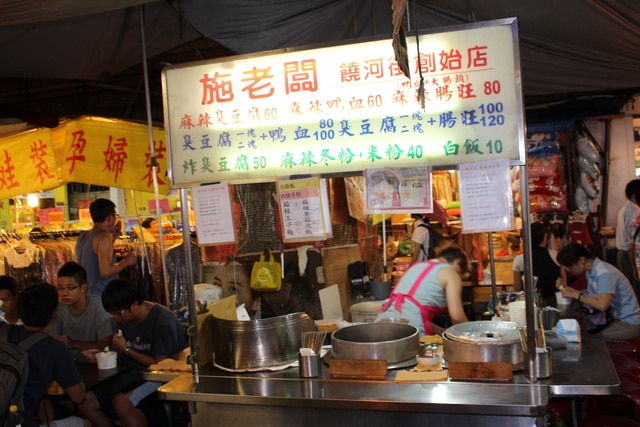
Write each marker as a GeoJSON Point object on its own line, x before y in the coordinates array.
{"type": "Point", "coordinates": [214, 223]}
{"type": "Point", "coordinates": [303, 209]}
{"type": "Point", "coordinates": [398, 190]}
{"type": "Point", "coordinates": [485, 196]}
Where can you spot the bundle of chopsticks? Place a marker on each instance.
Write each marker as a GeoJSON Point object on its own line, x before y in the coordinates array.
{"type": "Point", "coordinates": [541, 341]}
{"type": "Point", "coordinates": [313, 340]}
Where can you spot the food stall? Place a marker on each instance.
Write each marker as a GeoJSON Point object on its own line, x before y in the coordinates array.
{"type": "Point", "coordinates": [214, 140]}
{"type": "Point", "coordinates": [284, 399]}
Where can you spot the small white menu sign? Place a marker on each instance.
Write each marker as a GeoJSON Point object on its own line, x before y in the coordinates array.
{"type": "Point", "coordinates": [485, 196]}
{"type": "Point", "coordinates": [301, 210]}
{"type": "Point", "coordinates": [214, 219]}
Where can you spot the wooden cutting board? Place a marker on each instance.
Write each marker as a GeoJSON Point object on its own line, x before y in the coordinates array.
{"type": "Point", "coordinates": [492, 371]}
{"type": "Point", "coordinates": [421, 376]}
{"type": "Point", "coordinates": [363, 369]}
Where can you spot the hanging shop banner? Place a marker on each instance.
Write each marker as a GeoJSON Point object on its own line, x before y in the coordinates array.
{"type": "Point", "coordinates": [486, 197]}
{"type": "Point", "coordinates": [346, 108]}
{"type": "Point", "coordinates": [113, 153]}
{"type": "Point", "coordinates": [27, 163]}
{"type": "Point", "coordinates": [214, 218]}
{"type": "Point", "coordinates": [398, 190]}
{"type": "Point", "coordinates": [301, 210]}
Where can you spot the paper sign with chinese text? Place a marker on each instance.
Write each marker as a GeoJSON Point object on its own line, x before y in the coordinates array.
{"type": "Point", "coordinates": [398, 190]}
{"type": "Point", "coordinates": [346, 108]}
{"type": "Point", "coordinates": [214, 218]}
{"type": "Point", "coordinates": [301, 210]}
{"type": "Point", "coordinates": [27, 163]}
{"type": "Point", "coordinates": [114, 154]}
{"type": "Point", "coordinates": [50, 216]}
{"type": "Point", "coordinates": [485, 197]}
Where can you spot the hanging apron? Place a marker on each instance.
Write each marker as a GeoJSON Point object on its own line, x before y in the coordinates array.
{"type": "Point", "coordinates": [427, 312]}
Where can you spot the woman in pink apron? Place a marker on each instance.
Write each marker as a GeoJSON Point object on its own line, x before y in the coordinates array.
{"type": "Point", "coordinates": [427, 289]}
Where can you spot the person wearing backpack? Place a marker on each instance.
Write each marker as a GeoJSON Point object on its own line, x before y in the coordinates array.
{"type": "Point", "coordinates": [425, 239]}
{"type": "Point", "coordinates": [48, 359]}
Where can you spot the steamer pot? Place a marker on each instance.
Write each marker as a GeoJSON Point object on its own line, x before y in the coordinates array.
{"type": "Point", "coordinates": [259, 343]}
{"type": "Point", "coordinates": [393, 342]}
{"type": "Point", "coordinates": [484, 341]}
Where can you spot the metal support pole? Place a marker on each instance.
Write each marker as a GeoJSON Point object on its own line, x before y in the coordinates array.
{"type": "Point", "coordinates": [192, 331]}
{"type": "Point", "coordinates": [529, 289]}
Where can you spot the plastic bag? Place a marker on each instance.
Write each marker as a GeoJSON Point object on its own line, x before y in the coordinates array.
{"type": "Point", "coordinates": [265, 274]}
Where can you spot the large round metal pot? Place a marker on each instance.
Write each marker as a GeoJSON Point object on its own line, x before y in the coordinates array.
{"type": "Point", "coordinates": [259, 343]}
{"type": "Point", "coordinates": [393, 342]}
{"type": "Point", "coordinates": [484, 341]}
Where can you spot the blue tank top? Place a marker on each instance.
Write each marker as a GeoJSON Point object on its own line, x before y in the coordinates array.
{"type": "Point", "coordinates": [88, 259]}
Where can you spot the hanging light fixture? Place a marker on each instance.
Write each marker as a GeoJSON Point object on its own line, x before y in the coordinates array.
{"type": "Point", "coordinates": [33, 201]}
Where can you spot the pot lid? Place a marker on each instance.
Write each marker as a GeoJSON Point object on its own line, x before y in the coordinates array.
{"type": "Point", "coordinates": [484, 332]}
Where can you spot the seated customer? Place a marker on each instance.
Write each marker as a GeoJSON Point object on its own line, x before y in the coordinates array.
{"type": "Point", "coordinates": [49, 360]}
{"type": "Point", "coordinates": [609, 303]}
{"type": "Point", "coordinates": [8, 291]}
{"type": "Point", "coordinates": [150, 333]}
{"type": "Point", "coordinates": [544, 267]}
{"type": "Point", "coordinates": [82, 322]}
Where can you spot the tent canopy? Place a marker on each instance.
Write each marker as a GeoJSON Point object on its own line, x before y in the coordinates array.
{"type": "Point", "coordinates": [72, 57]}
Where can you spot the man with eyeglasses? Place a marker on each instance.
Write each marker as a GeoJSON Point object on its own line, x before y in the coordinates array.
{"type": "Point", "coordinates": [82, 322]}
{"type": "Point", "coordinates": [150, 333]}
{"type": "Point", "coordinates": [94, 248]}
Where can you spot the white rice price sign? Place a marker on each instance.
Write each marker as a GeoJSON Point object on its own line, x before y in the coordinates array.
{"type": "Point", "coordinates": [347, 108]}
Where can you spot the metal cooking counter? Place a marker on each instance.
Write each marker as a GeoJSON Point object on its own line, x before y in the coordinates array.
{"type": "Point", "coordinates": [283, 399]}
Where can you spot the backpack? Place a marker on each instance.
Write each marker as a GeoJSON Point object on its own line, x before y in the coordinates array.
{"type": "Point", "coordinates": [435, 240]}
{"type": "Point", "coordinates": [14, 369]}
{"type": "Point", "coordinates": [635, 235]}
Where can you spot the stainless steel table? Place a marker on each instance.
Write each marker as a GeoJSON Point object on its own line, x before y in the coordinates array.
{"type": "Point", "coordinates": [283, 399]}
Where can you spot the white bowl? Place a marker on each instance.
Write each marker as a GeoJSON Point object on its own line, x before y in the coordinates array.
{"type": "Point", "coordinates": [428, 362]}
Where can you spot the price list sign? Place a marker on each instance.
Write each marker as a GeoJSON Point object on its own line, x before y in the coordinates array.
{"type": "Point", "coordinates": [347, 108]}
{"type": "Point", "coordinates": [301, 210]}
{"type": "Point", "coordinates": [486, 198]}
{"type": "Point", "coordinates": [212, 206]}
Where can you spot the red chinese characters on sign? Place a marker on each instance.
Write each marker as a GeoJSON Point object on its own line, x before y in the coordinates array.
{"type": "Point", "coordinates": [217, 88]}
{"type": "Point", "coordinates": [259, 85]}
{"type": "Point", "coordinates": [115, 156]}
{"type": "Point", "coordinates": [37, 156]}
{"type": "Point", "coordinates": [7, 176]}
{"type": "Point", "coordinates": [78, 144]}
{"type": "Point", "coordinates": [299, 76]}
{"type": "Point", "coordinates": [159, 149]}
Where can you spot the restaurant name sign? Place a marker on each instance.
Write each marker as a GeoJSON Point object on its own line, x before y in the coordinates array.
{"type": "Point", "coordinates": [345, 108]}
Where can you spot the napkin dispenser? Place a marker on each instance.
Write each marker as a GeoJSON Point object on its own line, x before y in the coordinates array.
{"type": "Point", "coordinates": [570, 329]}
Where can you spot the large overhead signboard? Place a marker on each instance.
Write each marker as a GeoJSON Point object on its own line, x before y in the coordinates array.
{"type": "Point", "coordinates": [345, 108]}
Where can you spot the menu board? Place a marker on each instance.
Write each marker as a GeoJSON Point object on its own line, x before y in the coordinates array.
{"type": "Point", "coordinates": [486, 197]}
{"type": "Point", "coordinates": [302, 209]}
{"type": "Point", "coordinates": [343, 109]}
{"type": "Point", "coordinates": [214, 219]}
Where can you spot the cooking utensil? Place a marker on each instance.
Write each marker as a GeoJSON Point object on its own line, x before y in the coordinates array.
{"type": "Point", "coordinates": [484, 341]}
{"type": "Point", "coordinates": [259, 343]}
{"type": "Point", "coordinates": [393, 342]}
